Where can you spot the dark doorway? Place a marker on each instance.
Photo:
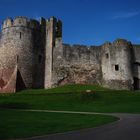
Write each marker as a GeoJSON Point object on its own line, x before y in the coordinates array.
{"type": "Point", "coordinates": [20, 85]}
{"type": "Point", "coordinates": [136, 83]}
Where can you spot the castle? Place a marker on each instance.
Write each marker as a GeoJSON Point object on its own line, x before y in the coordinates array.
{"type": "Point", "coordinates": [32, 55]}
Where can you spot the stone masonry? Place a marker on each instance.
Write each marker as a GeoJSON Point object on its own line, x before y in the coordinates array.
{"type": "Point", "coordinates": [32, 55]}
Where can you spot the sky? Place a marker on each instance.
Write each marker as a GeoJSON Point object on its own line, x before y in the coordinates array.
{"type": "Point", "coordinates": [87, 22]}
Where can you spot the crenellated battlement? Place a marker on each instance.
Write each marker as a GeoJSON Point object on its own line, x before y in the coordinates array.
{"type": "Point", "coordinates": [117, 43]}
{"type": "Point", "coordinates": [20, 22]}
{"type": "Point", "coordinates": [121, 42]}
{"type": "Point", "coordinates": [8, 22]}
{"type": "Point", "coordinates": [106, 45]}
{"type": "Point", "coordinates": [17, 21]}
{"type": "Point", "coordinates": [57, 24]}
{"type": "Point", "coordinates": [34, 24]}
{"type": "Point", "coordinates": [35, 48]}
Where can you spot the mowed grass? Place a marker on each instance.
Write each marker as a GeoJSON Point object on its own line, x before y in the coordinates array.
{"type": "Point", "coordinates": [21, 124]}
{"type": "Point", "coordinates": [71, 98]}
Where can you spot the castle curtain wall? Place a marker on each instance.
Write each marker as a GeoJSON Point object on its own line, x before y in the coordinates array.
{"type": "Point", "coordinates": [79, 65]}
{"type": "Point", "coordinates": [136, 66]}
{"type": "Point", "coordinates": [32, 55]}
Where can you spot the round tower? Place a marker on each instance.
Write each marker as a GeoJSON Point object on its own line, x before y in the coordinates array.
{"type": "Point", "coordinates": [117, 64]}
{"type": "Point", "coordinates": [17, 49]}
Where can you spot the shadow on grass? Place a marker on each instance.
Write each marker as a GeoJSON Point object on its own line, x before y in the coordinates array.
{"type": "Point", "coordinates": [88, 97]}
{"type": "Point", "coordinates": [14, 106]}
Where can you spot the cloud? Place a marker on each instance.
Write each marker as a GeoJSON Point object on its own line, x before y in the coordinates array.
{"type": "Point", "coordinates": [126, 15]}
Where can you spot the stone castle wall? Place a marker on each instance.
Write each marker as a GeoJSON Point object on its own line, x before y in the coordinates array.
{"type": "Point", "coordinates": [20, 45]}
{"type": "Point", "coordinates": [17, 49]}
{"type": "Point", "coordinates": [136, 66]}
{"type": "Point", "coordinates": [117, 64]}
{"type": "Point", "coordinates": [77, 64]}
{"type": "Point", "coordinates": [39, 55]}
{"type": "Point", "coordinates": [52, 45]}
{"type": "Point", "coordinates": [110, 65]}
{"type": "Point", "coordinates": [33, 56]}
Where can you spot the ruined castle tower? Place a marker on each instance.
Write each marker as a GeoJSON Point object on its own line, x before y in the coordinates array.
{"type": "Point", "coordinates": [117, 62]}
{"type": "Point", "coordinates": [32, 56]}
{"type": "Point", "coordinates": [16, 52]}
{"type": "Point", "coordinates": [53, 41]}
{"type": "Point", "coordinates": [26, 53]}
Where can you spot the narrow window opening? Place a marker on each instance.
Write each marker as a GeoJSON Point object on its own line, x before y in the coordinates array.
{"type": "Point", "coordinates": [116, 67]}
{"type": "Point", "coordinates": [107, 55]}
{"type": "Point", "coordinates": [17, 58]}
{"type": "Point", "coordinates": [20, 35]}
{"type": "Point", "coordinates": [39, 59]}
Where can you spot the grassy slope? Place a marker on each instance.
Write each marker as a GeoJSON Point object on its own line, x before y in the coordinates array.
{"type": "Point", "coordinates": [19, 124]}
{"type": "Point", "coordinates": [15, 124]}
{"type": "Point", "coordinates": [70, 98]}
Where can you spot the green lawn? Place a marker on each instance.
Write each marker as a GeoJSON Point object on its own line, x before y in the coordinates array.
{"type": "Point", "coordinates": [19, 124]}
{"type": "Point", "coordinates": [71, 98]}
